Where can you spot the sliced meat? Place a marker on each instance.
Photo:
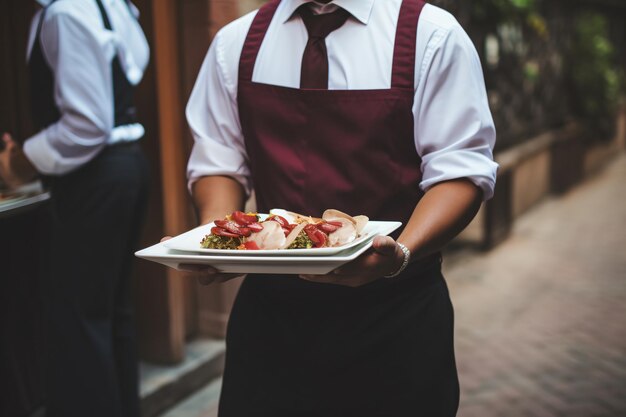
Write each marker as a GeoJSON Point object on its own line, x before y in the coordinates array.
{"type": "Point", "coordinates": [271, 237]}
{"type": "Point", "coordinates": [345, 234]}
{"type": "Point", "coordinates": [333, 214]}
{"type": "Point", "coordinates": [293, 235]}
{"type": "Point", "coordinates": [361, 222]}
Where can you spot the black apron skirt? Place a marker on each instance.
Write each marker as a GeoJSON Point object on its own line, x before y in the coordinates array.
{"type": "Point", "coordinates": [297, 348]}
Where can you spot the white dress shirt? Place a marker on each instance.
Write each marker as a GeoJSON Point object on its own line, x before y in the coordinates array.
{"type": "Point", "coordinates": [454, 130]}
{"type": "Point", "coordinates": [79, 51]}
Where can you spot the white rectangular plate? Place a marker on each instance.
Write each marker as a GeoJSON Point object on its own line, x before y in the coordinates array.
{"type": "Point", "coordinates": [190, 242]}
{"type": "Point", "coordinates": [263, 264]}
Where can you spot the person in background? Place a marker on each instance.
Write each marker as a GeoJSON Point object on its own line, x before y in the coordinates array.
{"type": "Point", "coordinates": [85, 58]}
{"type": "Point", "coordinates": [374, 107]}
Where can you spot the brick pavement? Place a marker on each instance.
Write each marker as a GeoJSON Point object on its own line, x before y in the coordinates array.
{"type": "Point", "coordinates": [201, 404]}
{"type": "Point", "coordinates": [541, 319]}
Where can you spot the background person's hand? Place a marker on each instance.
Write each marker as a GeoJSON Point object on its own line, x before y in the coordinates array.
{"type": "Point", "coordinates": [206, 274]}
{"type": "Point", "coordinates": [15, 168]}
{"type": "Point", "coordinates": [384, 258]}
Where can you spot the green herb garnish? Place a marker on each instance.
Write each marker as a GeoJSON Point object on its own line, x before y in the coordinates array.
{"type": "Point", "coordinates": [220, 242]}
{"type": "Point", "coordinates": [302, 241]}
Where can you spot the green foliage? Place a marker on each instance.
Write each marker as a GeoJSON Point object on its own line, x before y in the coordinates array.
{"type": "Point", "coordinates": [597, 82]}
{"type": "Point", "coordinates": [523, 4]}
{"type": "Point", "coordinates": [501, 11]}
{"type": "Point", "coordinates": [491, 13]}
{"type": "Point", "coordinates": [531, 71]}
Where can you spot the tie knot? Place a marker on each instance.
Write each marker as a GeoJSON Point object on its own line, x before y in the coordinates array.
{"type": "Point", "coordinates": [320, 25]}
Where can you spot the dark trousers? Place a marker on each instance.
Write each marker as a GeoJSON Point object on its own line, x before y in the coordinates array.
{"type": "Point", "coordinates": [21, 336]}
{"type": "Point", "coordinates": [96, 213]}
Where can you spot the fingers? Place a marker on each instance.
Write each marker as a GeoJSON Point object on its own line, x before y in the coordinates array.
{"type": "Point", "coordinates": [316, 278]}
{"type": "Point", "coordinates": [384, 253]}
{"type": "Point", "coordinates": [205, 269]}
{"type": "Point", "coordinates": [385, 245]}
{"type": "Point", "coordinates": [373, 264]}
{"type": "Point", "coordinates": [220, 278]}
{"type": "Point", "coordinates": [205, 279]}
{"type": "Point", "coordinates": [9, 143]}
{"type": "Point", "coordinates": [207, 274]}
{"type": "Point", "coordinates": [383, 249]}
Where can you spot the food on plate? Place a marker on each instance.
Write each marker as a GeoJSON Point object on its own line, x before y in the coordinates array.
{"type": "Point", "coordinates": [283, 229]}
{"type": "Point", "coordinates": [8, 195]}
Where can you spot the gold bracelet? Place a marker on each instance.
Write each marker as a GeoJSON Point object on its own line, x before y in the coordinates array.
{"type": "Point", "coordinates": [405, 262]}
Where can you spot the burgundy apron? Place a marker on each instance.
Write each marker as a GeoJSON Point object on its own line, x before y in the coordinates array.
{"type": "Point", "coordinates": [297, 348]}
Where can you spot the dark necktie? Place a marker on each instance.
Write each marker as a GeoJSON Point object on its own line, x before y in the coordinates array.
{"type": "Point", "coordinates": [314, 72]}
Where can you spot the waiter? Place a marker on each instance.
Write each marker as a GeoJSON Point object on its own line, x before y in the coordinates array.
{"type": "Point", "coordinates": [373, 107]}
{"type": "Point", "coordinates": [85, 57]}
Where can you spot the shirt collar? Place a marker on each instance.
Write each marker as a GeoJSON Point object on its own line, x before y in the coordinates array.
{"type": "Point", "coordinates": [360, 9]}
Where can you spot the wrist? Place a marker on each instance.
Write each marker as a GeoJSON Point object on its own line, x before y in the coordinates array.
{"type": "Point", "coordinates": [406, 258]}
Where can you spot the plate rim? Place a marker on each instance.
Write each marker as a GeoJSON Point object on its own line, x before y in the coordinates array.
{"type": "Point", "coordinates": [171, 244]}
{"type": "Point", "coordinates": [266, 264]}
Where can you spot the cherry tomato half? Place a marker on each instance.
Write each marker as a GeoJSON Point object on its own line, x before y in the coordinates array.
{"type": "Point", "coordinates": [251, 245]}
{"type": "Point", "coordinates": [233, 227]}
{"type": "Point", "coordinates": [222, 232]}
{"type": "Point", "coordinates": [334, 223]}
{"type": "Point", "coordinates": [321, 238]}
{"type": "Point", "coordinates": [280, 219]}
{"type": "Point", "coordinates": [327, 227]}
{"type": "Point", "coordinates": [255, 227]}
{"type": "Point", "coordinates": [243, 219]}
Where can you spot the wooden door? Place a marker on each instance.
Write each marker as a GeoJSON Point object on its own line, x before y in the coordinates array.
{"type": "Point", "coordinates": [15, 18]}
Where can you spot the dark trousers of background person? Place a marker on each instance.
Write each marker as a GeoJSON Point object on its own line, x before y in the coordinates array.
{"type": "Point", "coordinates": [96, 214]}
{"type": "Point", "coordinates": [21, 335]}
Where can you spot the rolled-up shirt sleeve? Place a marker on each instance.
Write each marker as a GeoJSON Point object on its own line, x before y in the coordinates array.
{"type": "Point", "coordinates": [454, 130]}
{"type": "Point", "coordinates": [82, 92]}
{"type": "Point", "coordinates": [213, 117]}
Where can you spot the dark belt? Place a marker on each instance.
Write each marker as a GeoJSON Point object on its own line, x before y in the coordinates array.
{"type": "Point", "coordinates": [123, 144]}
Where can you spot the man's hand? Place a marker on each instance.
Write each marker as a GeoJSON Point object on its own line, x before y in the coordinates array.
{"type": "Point", "coordinates": [15, 168]}
{"type": "Point", "coordinates": [206, 274]}
{"type": "Point", "coordinates": [440, 215]}
{"type": "Point", "coordinates": [384, 258]}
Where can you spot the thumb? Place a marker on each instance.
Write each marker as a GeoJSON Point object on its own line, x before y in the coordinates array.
{"type": "Point", "coordinates": [8, 140]}
{"type": "Point", "coordinates": [385, 245]}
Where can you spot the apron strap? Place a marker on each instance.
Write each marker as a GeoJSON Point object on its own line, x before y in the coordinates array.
{"type": "Point", "coordinates": [105, 16]}
{"type": "Point", "coordinates": [254, 39]}
{"type": "Point", "coordinates": [41, 18]}
{"type": "Point", "coordinates": [403, 70]}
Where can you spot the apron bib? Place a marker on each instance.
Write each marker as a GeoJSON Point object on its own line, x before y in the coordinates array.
{"type": "Point", "coordinates": [297, 348]}
{"type": "Point", "coordinates": [43, 107]}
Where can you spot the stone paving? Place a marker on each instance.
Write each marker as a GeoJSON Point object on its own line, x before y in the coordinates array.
{"type": "Point", "coordinates": [541, 319]}
{"type": "Point", "coordinates": [201, 404]}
